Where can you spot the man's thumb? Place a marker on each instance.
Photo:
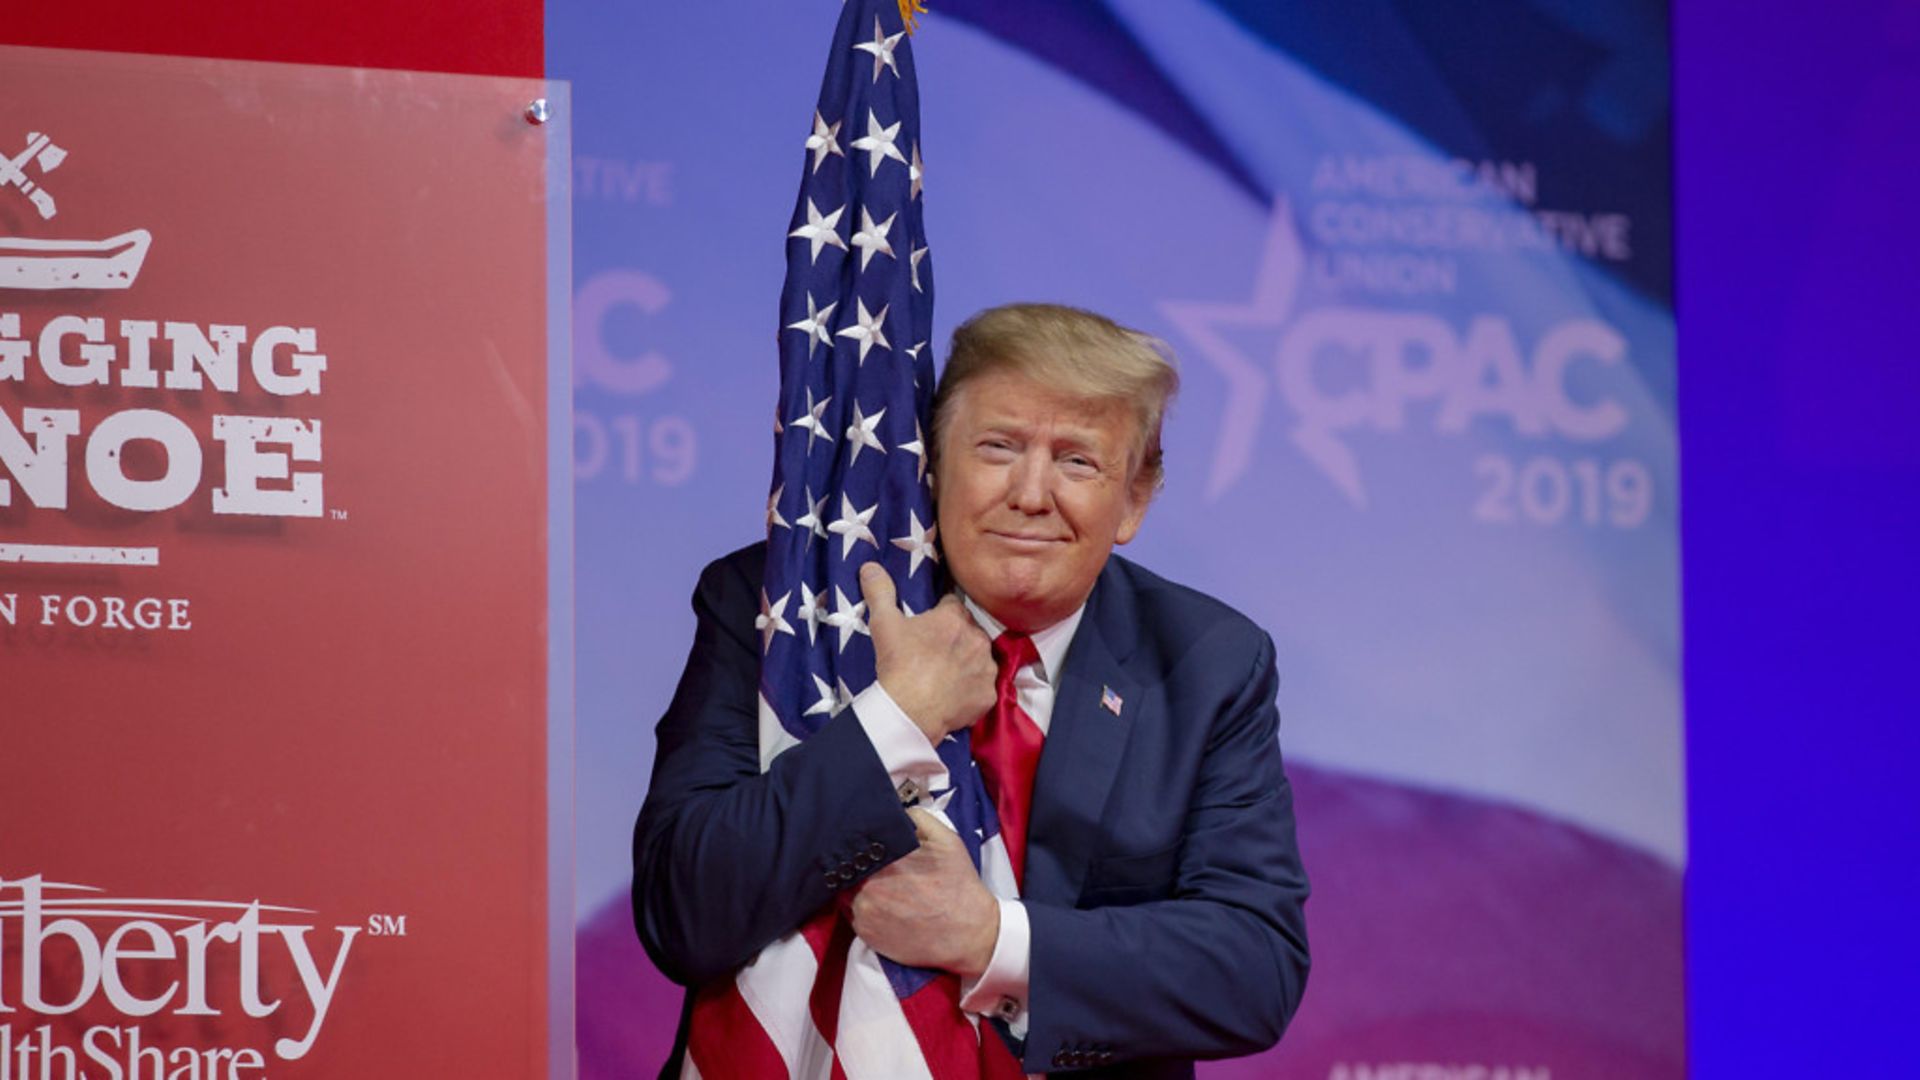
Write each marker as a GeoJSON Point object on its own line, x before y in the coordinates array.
{"type": "Point", "coordinates": [876, 588]}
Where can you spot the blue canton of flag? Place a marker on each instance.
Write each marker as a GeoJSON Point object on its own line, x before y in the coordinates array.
{"type": "Point", "coordinates": [856, 389]}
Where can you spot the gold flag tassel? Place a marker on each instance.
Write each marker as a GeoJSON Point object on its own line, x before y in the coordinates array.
{"type": "Point", "coordinates": [909, 10]}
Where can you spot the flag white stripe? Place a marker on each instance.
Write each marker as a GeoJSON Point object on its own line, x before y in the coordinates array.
{"type": "Point", "coordinates": [876, 1042]}
{"type": "Point", "coordinates": [777, 987]}
{"type": "Point", "coordinates": [774, 738]}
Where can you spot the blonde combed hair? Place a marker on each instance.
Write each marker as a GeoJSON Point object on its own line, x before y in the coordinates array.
{"type": "Point", "coordinates": [1070, 351]}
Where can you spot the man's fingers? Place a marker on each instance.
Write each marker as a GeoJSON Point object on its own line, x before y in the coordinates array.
{"type": "Point", "coordinates": [923, 822]}
{"type": "Point", "coordinates": [930, 828]}
{"type": "Point", "coordinates": [876, 588]}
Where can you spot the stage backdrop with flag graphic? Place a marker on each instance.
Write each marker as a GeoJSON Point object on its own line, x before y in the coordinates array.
{"type": "Point", "coordinates": [284, 676]}
{"type": "Point", "coordinates": [1415, 259]}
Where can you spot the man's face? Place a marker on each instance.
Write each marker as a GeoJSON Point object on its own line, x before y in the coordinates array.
{"type": "Point", "coordinates": [1035, 487]}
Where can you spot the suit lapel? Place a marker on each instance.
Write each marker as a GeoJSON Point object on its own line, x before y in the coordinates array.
{"type": "Point", "coordinates": [1085, 743]}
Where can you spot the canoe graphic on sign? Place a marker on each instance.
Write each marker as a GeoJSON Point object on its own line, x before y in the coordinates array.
{"type": "Point", "coordinates": [27, 263]}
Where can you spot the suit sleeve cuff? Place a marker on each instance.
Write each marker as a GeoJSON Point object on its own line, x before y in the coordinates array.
{"type": "Point", "coordinates": [1001, 990]}
{"type": "Point", "coordinates": [908, 757]}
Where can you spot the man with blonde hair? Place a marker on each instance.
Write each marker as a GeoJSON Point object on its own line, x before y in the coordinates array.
{"type": "Point", "coordinates": [1149, 907]}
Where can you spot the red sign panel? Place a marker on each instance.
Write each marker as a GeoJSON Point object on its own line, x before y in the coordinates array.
{"type": "Point", "coordinates": [274, 559]}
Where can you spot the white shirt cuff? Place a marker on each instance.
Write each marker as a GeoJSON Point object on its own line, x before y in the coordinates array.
{"type": "Point", "coordinates": [1001, 990]}
{"type": "Point", "coordinates": [904, 751]}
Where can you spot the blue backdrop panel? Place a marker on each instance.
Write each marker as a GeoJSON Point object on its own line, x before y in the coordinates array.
{"type": "Point", "coordinates": [1416, 260]}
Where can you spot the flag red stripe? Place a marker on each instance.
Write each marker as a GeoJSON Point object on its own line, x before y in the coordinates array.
{"type": "Point", "coordinates": [726, 1040]}
{"type": "Point", "coordinates": [831, 935]}
{"type": "Point", "coordinates": [953, 1050]}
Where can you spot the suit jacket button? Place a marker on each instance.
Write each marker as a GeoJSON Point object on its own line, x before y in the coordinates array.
{"type": "Point", "coordinates": [861, 861]}
{"type": "Point", "coordinates": [877, 849]}
{"type": "Point", "coordinates": [1059, 1059]}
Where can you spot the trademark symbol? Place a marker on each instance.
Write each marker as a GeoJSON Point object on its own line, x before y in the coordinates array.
{"type": "Point", "coordinates": [386, 926]}
{"type": "Point", "coordinates": [337, 515]}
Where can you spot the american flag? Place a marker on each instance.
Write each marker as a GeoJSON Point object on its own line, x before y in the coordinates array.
{"type": "Point", "coordinates": [850, 487]}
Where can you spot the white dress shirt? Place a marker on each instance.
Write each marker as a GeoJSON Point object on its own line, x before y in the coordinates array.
{"type": "Point", "coordinates": [910, 760]}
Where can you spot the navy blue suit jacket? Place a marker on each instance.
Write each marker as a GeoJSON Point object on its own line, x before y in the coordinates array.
{"type": "Point", "coordinates": [1163, 884]}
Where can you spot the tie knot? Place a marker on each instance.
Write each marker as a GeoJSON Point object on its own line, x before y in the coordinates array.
{"type": "Point", "coordinates": [1014, 651]}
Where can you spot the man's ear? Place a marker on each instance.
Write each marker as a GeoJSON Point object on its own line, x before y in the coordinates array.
{"type": "Point", "coordinates": [1136, 512]}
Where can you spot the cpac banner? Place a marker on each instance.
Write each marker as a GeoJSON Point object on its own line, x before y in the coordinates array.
{"type": "Point", "coordinates": [283, 676]}
{"type": "Point", "coordinates": [1415, 260]}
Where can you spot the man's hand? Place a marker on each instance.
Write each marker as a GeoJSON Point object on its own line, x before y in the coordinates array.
{"type": "Point", "coordinates": [929, 909]}
{"type": "Point", "coordinates": [937, 666]}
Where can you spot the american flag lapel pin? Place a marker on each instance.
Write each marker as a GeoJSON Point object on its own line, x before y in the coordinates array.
{"type": "Point", "coordinates": [1109, 700]}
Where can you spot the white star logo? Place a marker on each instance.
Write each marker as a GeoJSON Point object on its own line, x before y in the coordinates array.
{"type": "Point", "coordinates": [774, 520]}
{"type": "Point", "coordinates": [878, 143]}
{"type": "Point", "coordinates": [872, 237]}
{"type": "Point", "coordinates": [769, 622]}
{"type": "Point", "coordinates": [815, 324]}
{"type": "Point", "coordinates": [825, 140]}
{"type": "Point", "coordinates": [827, 704]}
{"type": "Point", "coordinates": [815, 517]}
{"type": "Point", "coordinates": [869, 332]}
{"type": "Point", "coordinates": [913, 264]}
{"type": "Point", "coordinates": [1275, 289]}
{"type": "Point", "coordinates": [882, 48]}
{"type": "Point", "coordinates": [852, 526]}
{"type": "Point", "coordinates": [814, 419]}
{"type": "Point", "coordinates": [918, 543]}
{"type": "Point", "coordinates": [918, 449]}
{"type": "Point", "coordinates": [811, 612]}
{"type": "Point", "coordinates": [821, 230]}
{"type": "Point", "coordinates": [916, 174]}
{"type": "Point", "coordinates": [861, 433]}
{"type": "Point", "coordinates": [848, 618]}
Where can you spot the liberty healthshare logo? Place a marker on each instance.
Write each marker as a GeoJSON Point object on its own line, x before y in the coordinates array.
{"type": "Point", "coordinates": [270, 462]}
{"type": "Point", "coordinates": [161, 989]}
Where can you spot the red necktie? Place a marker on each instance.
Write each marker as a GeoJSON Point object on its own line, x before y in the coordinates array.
{"type": "Point", "coordinates": [1006, 746]}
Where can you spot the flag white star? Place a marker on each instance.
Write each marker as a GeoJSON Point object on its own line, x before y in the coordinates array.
{"type": "Point", "coordinates": [774, 520]}
{"type": "Point", "coordinates": [917, 448]}
{"type": "Point", "coordinates": [882, 48]}
{"type": "Point", "coordinates": [814, 419]}
{"type": "Point", "coordinates": [878, 143]}
{"type": "Point", "coordinates": [872, 238]}
{"type": "Point", "coordinates": [815, 517]}
{"type": "Point", "coordinates": [918, 543]}
{"type": "Point", "coordinates": [769, 621]}
{"type": "Point", "coordinates": [869, 332]}
{"type": "Point", "coordinates": [848, 618]}
{"type": "Point", "coordinates": [916, 174]}
{"type": "Point", "coordinates": [821, 229]}
{"type": "Point", "coordinates": [913, 264]}
{"type": "Point", "coordinates": [815, 324]}
{"type": "Point", "coordinates": [825, 140]}
{"type": "Point", "coordinates": [827, 703]}
{"type": "Point", "coordinates": [861, 433]}
{"type": "Point", "coordinates": [843, 696]}
{"type": "Point", "coordinates": [852, 526]}
{"type": "Point", "coordinates": [811, 611]}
